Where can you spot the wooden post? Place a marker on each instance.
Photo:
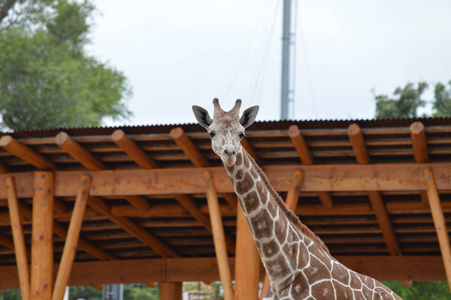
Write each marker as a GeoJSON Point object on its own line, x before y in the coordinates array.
{"type": "Point", "coordinates": [70, 246]}
{"type": "Point", "coordinates": [42, 237]}
{"type": "Point", "coordinates": [247, 260]}
{"type": "Point", "coordinates": [439, 221]}
{"type": "Point", "coordinates": [19, 240]}
{"type": "Point", "coordinates": [171, 291]}
{"type": "Point", "coordinates": [291, 202]}
{"type": "Point", "coordinates": [218, 236]}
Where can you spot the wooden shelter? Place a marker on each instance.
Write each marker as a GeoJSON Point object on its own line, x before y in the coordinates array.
{"type": "Point", "coordinates": [147, 204]}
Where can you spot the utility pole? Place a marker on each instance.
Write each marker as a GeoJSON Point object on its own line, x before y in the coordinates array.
{"type": "Point", "coordinates": [287, 83]}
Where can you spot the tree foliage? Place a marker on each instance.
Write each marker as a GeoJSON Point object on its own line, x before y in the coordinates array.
{"type": "Point", "coordinates": [47, 80]}
{"type": "Point", "coordinates": [408, 100]}
{"type": "Point", "coordinates": [421, 290]}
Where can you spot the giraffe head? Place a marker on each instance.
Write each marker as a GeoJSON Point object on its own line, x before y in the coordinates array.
{"type": "Point", "coordinates": [226, 129]}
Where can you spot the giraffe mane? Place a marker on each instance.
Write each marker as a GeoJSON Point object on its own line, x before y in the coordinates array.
{"type": "Point", "coordinates": [292, 217]}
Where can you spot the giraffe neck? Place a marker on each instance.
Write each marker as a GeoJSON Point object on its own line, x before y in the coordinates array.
{"type": "Point", "coordinates": [275, 235]}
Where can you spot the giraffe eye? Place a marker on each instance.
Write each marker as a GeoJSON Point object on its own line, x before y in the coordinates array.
{"type": "Point", "coordinates": [212, 134]}
{"type": "Point", "coordinates": [241, 135]}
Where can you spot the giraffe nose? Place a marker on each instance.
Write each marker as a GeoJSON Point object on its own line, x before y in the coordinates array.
{"type": "Point", "coordinates": [229, 152]}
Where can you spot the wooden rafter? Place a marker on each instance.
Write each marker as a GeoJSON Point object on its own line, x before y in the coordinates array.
{"type": "Point", "coordinates": [184, 142]}
{"type": "Point", "coordinates": [132, 228]}
{"type": "Point", "coordinates": [188, 203]}
{"type": "Point", "coordinates": [25, 153]}
{"type": "Point", "coordinates": [19, 240]}
{"type": "Point", "coordinates": [133, 150]}
{"type": "Point", "coordinates": [70, 246]}
{"type": "Point", "coordinates": [420, 152]}
{"type": "Point", "coordinates": [248, 147]}
{"type": "Point", "coordinates": [231, 199]}
{"type": "Point", "coordinates": [218, 236]}
{"type": "Point", "coordinates": [80, 154]}
{"type": "Point", "coordinates": [300, 145]}
{"type": "Point", "coordinates": [361, 154]}
{"type": "Point", "coordinates": [439, 221]}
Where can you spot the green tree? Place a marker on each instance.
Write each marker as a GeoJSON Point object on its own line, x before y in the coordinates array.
{"type": "Point", "coordinates": [421, 290]}
{"type": "Point", "coordinates": [47, 79]}
{"type": "Point", "coordinates": [407, 100]}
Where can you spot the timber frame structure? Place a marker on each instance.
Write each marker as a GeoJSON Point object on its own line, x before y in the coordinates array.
{"type": "Point", "coordinates": [94, 206]}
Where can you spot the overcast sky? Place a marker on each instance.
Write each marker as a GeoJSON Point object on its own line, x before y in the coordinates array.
{"type": "Point", "coordinates": [179, 53]}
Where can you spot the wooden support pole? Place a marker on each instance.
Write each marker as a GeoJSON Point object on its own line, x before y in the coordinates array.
{"type": "Point", "coordinates": [133, 150]}
{"type": "Point", "coordinates": [300, 145]}
{"type": "Point", "coordinates": [187, 146]}
{"type": "Point", "coordinates": [19, 240]}
{"type": "Point", "coordinates": [171, 291]}
{"type": "Point", "coordinates": [384, 222]}
{"type": "Point", "coordinates": [42, 237]}
{"type": "Point", "coordinates": [80, 154]}
{"type": "Point", "coordinates": [292, 203]}
{"type": "Point", "coordinates": [188, 203]}
{"type": "Point", "coordinates": [420, 152]}
{"type": "Point", "coordinates": [439, 221]}
{"type": "Point", "coordinates": [70, 246]}
{"type": "Point", "coordinates": [358, 144]}
{"type": "Point", "coordinates": [132, 228]}
{"type": "Point", "coordinates": [16, 148]}
{"type": "Point", "coordinates": [218, 236]}
{"type": "Point", "coordinates": [247, 260]}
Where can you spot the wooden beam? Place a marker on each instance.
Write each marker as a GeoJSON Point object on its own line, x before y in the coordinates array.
{"type": "Point", "coordinates": [439, 221]}
{"type": "Point", "coordinates": [25, 153]}
{"type": "Point", "coordinates": [132, 228]}
{"type": "Point", "coordinates": [42, 236]}
{"type": "Point", "coordinates": [326, 199]}
{"type": "Point", "coordinates": [420, 152]}
{"type": "Point", "coordinates": [218, 236]}
{"type": "Point", "coordinates": [300, 145]}
{"type": "Point", "coordinates": [19, 240]}
{"type": "Point", "coordinates": [358, 144]}
{"type": "Point", "coordinates": [187, 146]}
{"type": "Point", "coordinates": [384, 222]}
{"type": "Point", "coordinates": [133, 150]}
{"type": "Point", "coordinates": [171, 291]}
{"type": "Point", "coordinates": [247, 260]}
{"type": "Point", "coordinates": [231, 199]}
{"type": "Point", "coordinates": [188, 204]}
{"type": "Point", "coordinates": [330, 178]}
{"type": "Point", "coordinates": [80, 154]}
{"type": "Point", "coordinates": [249, 149]}
{"type": "Point", "coordinates": [138, 202]}
{"type": "Point", "coordinates": [70, 246]}
{"type": "Point", "coordinates": [4, 169]}
{"type": "Point", "coordinates": [417, 268]}
{"type": "Point", "coordinates": [6, 242]}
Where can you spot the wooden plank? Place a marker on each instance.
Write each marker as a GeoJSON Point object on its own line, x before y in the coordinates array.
{"type": "Point", "coordinates": [138, 202]}
{"type": "Point", "coordinates": [171, 291]}
{"type": "Point", "coordinates": [191, 207]}
{"type": "Point", "coordinates": [42, 237]}
{"type": "Point", "coordinates": [247, 260]}
{"type": "Point", "coordinates": [80, 154]}
{"type": "Point", "coordinates": [70, 246]}
{"type": "Point", "coordinates": [331, 178]}
{"type": "Point", "coordinates": [420, 152]}
{"type": "Point", "coordinates": [358, 144]}
{"type": "Point", "coordinates": [133, 150]}
{"type": "Point", "coordinates": [19, 240]}
{"type": "Point", "coordinates": [218, 237]}
{"type": "Point", "coordinates": [16, 148]}
{"type": "Point", "coordinates": [132, 228]}
{"type": "Point", "coordinates": [439, 221]}
{"type": "Point", "coordinates": [384, 222]}
{"type": "Point", "coordinates": [187, 146]}
{"type": "Point", "coordinates": [326, 199]}
{"type": "Point", "coordinates": [417, 268]}
{"type": "Point", "coordinates": [300, 145]}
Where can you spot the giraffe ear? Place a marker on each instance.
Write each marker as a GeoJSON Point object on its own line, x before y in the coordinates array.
{"type": "Point", "coordinates": [249, 116]}
{"type": "Point", "coordinates": [202, 116]}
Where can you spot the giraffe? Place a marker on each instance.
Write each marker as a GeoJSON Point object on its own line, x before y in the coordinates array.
{"type": "Point", "coordinates": [297, 262]}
